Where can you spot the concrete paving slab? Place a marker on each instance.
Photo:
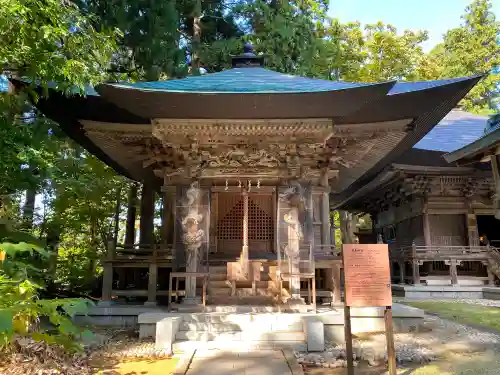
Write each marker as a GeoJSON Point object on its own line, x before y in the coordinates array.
{"type": "Point", "coordinates": [242, 362]}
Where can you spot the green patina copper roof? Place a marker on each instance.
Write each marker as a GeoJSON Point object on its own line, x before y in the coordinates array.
{"type": "Point", "coordinates": [243, 80]}
{"type": "Point", "coordinates": [259, 80]}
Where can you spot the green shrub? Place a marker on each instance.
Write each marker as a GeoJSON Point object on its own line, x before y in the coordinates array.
{"type": "Point", "coordinates": [22, 312]}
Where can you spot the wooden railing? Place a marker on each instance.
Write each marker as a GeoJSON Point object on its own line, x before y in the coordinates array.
{"type": "Point", "coordinates": [451, 255]}
{"type": "Point", "coordinates": [326, 252]}
{"type": "Point", "coordinates": [144, 253]}
{"type": "Point", "coordinates": [440, 252]}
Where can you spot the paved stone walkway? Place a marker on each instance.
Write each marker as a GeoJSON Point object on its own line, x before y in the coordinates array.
{"type": "Point", "coordinates": [252, 362]}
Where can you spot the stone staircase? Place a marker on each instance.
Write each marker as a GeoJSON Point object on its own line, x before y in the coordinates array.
{"type": "Point", "coordinates": [221, 291]}
{"type": "Point", "coordinates": [220, 330]}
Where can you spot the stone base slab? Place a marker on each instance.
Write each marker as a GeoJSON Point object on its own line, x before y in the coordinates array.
{"type": "Point", "coordinates": [437, 291]}
{"type": "Point", "coordinates": [264, 328]}
{"type": "Point", "coordinates": [122, 316]}
{"type": "Point", "coordinates": [491, 293]}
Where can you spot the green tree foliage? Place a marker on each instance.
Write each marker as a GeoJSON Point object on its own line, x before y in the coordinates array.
{"type": "Point", "coordinates": [149, 45]}
{"type": "Point", "coordinates": [389, 55]}
{"type": "Point", "coordinates": [157, 36]}
{"type": "Point", "coordinates": [84, 192]}
{"type": "Point", "coordinates": [220, 34]}
{"type": "Point", "coordinates": [287, 32]}
{"type": "Point", "coordinates": [22, 312]}
{"type": "Point", "coordinates": [341, 54]}
{"type": "Point", "coordinates": [376, 53]}
{"type": "Point", "coordinates": [473, 48]}
{"type": "Point", "coordinates": [50, 41]}
{"type": "Point", "coordinates": [47, 43]}
{"type": "Point", "coordinates": [42, 42]}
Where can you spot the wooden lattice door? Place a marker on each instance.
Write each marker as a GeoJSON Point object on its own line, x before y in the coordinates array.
{"type": "Point", "coordinates": [260, 224]}
{"type": "Point", "coordinates": [229, 232]}
{"type": "Point", "coordinates": [229, 224]}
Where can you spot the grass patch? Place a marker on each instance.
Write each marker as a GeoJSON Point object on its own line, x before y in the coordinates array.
{"type": "Point", "coordinates": [464, 313]}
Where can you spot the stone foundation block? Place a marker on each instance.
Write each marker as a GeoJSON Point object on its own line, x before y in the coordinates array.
{"type": "Point", "coordinates": [315, 336]}
{"type": "Point", "coordinates": [166, 329]}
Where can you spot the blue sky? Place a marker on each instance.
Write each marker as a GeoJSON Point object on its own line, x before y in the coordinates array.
{"type": "Point", "coordinates": [435, 16]}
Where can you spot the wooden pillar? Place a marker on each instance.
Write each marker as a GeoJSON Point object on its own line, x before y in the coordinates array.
{"type": "Point", "coordinates": [472, 231]}
{"type": "Point", "coordinates": [453, 271]}
{"type": "Point", "coordinates": [147, 214]}
{"type": "Point", "coordinates": [244, 250]}
{"type": "Point", "coordinates": [152, 284]}
{"type": "Point", "coordinates": [416, 272]}
{"type": "Point", "coordinates": [325, 219]}
{"type": "Point", "coordinates": [427, 229]}
{"type": "Point", "coordinates": [131, 215]}
{"type": "Point", "coordinates": [401, 271]}
{"type": "Point", "coordinates": [337, 298]}
{"type": "Point", "coordinates": [415, 265]}
{"type": "Point", "coordinates": [107, 276]}
{"type": "Point", "coordinates": [175, 229]}
{"type": "Point", "coordinates": [496, 178]}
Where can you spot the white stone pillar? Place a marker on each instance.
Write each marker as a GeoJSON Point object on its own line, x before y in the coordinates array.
{"type": "Point", "coordinates": [347, 227]}
{"type": "Point", "coordinates": [193, 214]}
{"type": "Point", "coordinates": [294, 251]}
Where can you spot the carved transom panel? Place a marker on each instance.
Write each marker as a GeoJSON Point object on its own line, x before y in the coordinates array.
{"type": "Point", "coordinates": [273, 151]}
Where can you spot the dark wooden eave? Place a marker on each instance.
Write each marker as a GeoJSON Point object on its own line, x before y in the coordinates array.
{"type": "Point", "coordinates": [434, 103]}
{"type": "Point", "coordinates": [187, 105]}
{"type": "Point", "coordinates": [426, 106]}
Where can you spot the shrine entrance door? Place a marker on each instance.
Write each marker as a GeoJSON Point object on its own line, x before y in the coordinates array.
{"type": "Point", "coordinates": [229, 216]}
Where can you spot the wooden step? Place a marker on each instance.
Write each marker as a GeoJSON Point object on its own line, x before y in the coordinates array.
{"type": "Point", "coordinates": [244, 300]}
{"type": "Point", "coordinates": [246, 292]}
{"type": "Point", "coordinates": [188, 346]}
{"type": "Point", "coordinates": [217, 269]}
{"type": "Point", "coordinates": [217, 277]}
{"type": "Point", "coordinates": [219, 291]}
{"type": "Point", "coordinates": [241, 336]}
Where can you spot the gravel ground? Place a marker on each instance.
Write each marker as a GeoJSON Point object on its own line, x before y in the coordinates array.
{"type": "Point", "coordinates": [439, 338]}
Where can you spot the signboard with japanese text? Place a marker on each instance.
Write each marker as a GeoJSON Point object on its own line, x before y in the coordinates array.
{"type": "Point", "coordinates": [367, 275]}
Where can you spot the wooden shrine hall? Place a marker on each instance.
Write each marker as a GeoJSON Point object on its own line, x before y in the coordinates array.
{"type": "Point", "coordinates": [245, 161]}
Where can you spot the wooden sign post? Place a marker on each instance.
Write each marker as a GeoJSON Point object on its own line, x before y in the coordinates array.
{"type": "Point", "coordinates": [367, 283]}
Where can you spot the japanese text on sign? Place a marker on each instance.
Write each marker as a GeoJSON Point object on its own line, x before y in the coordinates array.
{"type": "Point", "coordinates": [367, 275]}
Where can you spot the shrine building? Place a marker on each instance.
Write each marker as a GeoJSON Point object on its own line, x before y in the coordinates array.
{"type": "Point", "coordinates": [436, 205]}
{"type": "Point", "coordinates": [248, 163]}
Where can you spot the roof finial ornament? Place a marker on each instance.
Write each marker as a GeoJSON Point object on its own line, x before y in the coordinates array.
{"type": "Point", "coordinates": [248, 48]}
{"type": "Point", "coordinates": [248, 58]}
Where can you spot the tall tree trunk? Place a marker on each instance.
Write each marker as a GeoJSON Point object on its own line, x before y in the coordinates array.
{"type": "Point", "coordinates": [131, 215]}
{"type": "Point", "coordinates": [94, 244]}
{"type": "Point", "coordinates": [53, 239]}
{"type": "Point", "coordinates": [195, 45]}
{"type": "Point", "coordinates": [146, 235]}
{"type": "Point", "coordinates": [29, 208]}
